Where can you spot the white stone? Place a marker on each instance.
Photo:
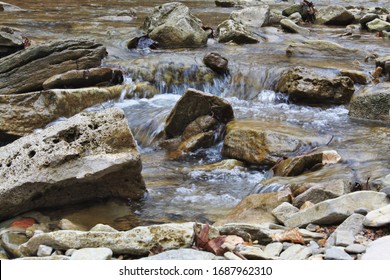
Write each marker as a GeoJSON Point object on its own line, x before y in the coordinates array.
{"type": "Point", "coordinates": [44, 251]}
{"type": "Point", "coordinates": [231, 256]}
{"type": "Point", "coordinates": [355, 249]}
{"type": "Point", "coordinates": [377, 218]}
{"type": "Point", "coordinates": [101, 227]}
{"type": "Point", "coordinates": [92, 254]}
{"type": "Point", "coordinates": [378, 250]}
{"type": "Point", "coordinates": [284, 211]}
{"type": "Point", "coordinates": [296, 252]}
{"type": "Point", "coordinates": [183, 254]}
{"type": "Point", "coordinates": [353, 224]}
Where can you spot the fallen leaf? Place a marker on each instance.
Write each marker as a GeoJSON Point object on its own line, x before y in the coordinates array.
{"type": "Point", "coordinates": [215, 246]}
{"type": "Point", "coordinates": [202, 237]}
{"type": "Point", "coordinates": [291, 235]}
{"type": "Point", "coordinates": [23, 223]}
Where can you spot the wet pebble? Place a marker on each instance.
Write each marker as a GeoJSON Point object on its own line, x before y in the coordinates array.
{"type": "Point", "coordinates": [355, 249]}
{"type": "Point", "coordinates": [336, 253]}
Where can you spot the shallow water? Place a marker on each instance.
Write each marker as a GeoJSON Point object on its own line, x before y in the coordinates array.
{"type": "Point", "coordinates": [176, 190]}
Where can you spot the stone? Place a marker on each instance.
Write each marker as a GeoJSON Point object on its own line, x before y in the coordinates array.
{"type": "Point", "coordinates": [249, 232]}
{"type": "Point", "coordinates": [227, 164]}
{"type": "Point", "coordinates": [225, 3]}
{"type": "Point", "coordinates": [321, 48]}
{"type": "Point", "coordinates": [3, 254]}
{"type": "Point", "coordinates": [216, 62]}
{"type": "Point", "coordinates": [144, 90]}
{"type": "Point", "coordinates": [230, 30]}
{"type": "Point", "coordinates": [258, 144]}
{"type": "Point", "coordinates": [6, 7]}
{"type": "Point", "coordinates": [304, 85]}
{"type": "Point", "coordinates": [255, 209]}
{"type": "Point", "coordinates": [284, 211]}
{"type": "Point", "coordinates": [21, 114]}
{"type": "Point", "coordinates": [294, 166]}
{"type": "Point", "coordinates": [173, 26]}
{"type": "Point", "coordinates": [378, 25]}
{"type": "Point", "coordinates": [10, 242]}
{"type": "Point", "coordinates": [353, 224]}
{"type": "Point", "coordinates": [335, 253]}
{"type": "Point", "coordinates": [361, 211]}
{"type": "Point", "coordinates": [335, 15]}
{"type": "Point", "coordinates": [291, 27]}
{"type": "Point", "coordinates": [376, 250]}
{"type": "Point", "coordinates": [44, 251]}
{"type": "Point", "coordinates": [193, 104]}
{"type": "Point", "coordinates": [355, 249]}
{"type": "Point", "coordinates": [88, 157]}
{"type": "Point", "coordinates": [338, 209]}
{"type": "Point", "coordinates": [49, 258]}
{"type": "Point", "coordinates": [255, 17]}
{"type": "Point", "coordinates": [367, 18]}
{"type": "Point", "coordinates": [10, 43]}
{"type": "Point", "coordinates": [70, 252]}
{"type": "Point", "coordinates": [254, 253]}
{"type": "Point", "coordinates": [359, 77]}
{"type": "Point", "coordinates": [105, 76]}
{"type": "Point", "coordinates": [26, 71]}
{"type": "Point", "coordinates": [92, 254]}
{"type": "Point", "coordinates": [378, 218]}
{"type": "Point", "coordinates": [382, 62]}
{"type": "Point", "coordinates": [183, 254]}
{"type": "Point", "coordinates": [105, 228]}
{"type": "Point", "coordinates": [371, 103]}
{"type": "Point", "coordinates": [65, 224]}
{"type": "Point", "coordinates": [273, 249]}
{"type": "Point", "coordinates": [201, 140]}
{"type": "Point", "coordinates": [291, 10]}
{"type": "Point", "coordinates": [138, 241]}
{"type": "Point", "coordinates": [318, 192]}
{"type": "Point", "coordinates": [296, 252]}
{"type": "Point", "coordinates": [295, 17]}
{"type": "Point", "coordinates": [344, 238]}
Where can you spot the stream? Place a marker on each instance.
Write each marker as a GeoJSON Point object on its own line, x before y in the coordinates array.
{"type": "Point", "coordinates": [177, 190]}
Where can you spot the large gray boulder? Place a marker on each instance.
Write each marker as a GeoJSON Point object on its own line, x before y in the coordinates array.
{"type": "Point", "coordinates": [336, 210]}
{"type": "Point", "coordinates": [26, 70]}
{"type": "Point", "coordinates": [335, 15]}
{"type": "Point", "coordinates": [173, 26]}
{"type": "Point", "coordinates": [307, 86]}
{"type": "Point", "coordinates": [256, 17]}
{"type": "Point", "coordinates": [138, 241]}
{"type": "Point", "coordinates": [88, 157]}
{"type": "Point", "coordinates": [231, 30]}
{"type": "Point", "coordinates": [378, 25]}
{"type": "Point", "coordinates": [371, 103]}
{"type": "Point", "coordinates": [20, 114]}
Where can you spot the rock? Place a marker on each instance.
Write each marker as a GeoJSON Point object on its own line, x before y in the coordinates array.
{"type": "Point", "coordinates": [295, 166]}
{"type": "Point", "coordinates": [256, 144]}
{"type": "Point", "coordinates": [201, 140]}
{"type": "Point", "coordinates": [101, 227]}
{"type": "Point", "coordinates": [105, 76]}
{"type": "Point", "coordinates": [231, 256]}
{"type": "Point", "coordinates": [273, 249]}
{"type": "Point", "coordinates": [3, 254]}
{"type": "Point", "coordinates": [291, 10]}
{"type": "Point", "coordinates": [145, 90]}
{"type": "Point", "coordinates": [344, 238]}
{"type": "Point", "coordinates": [378, 218]}
{"type": "Point", "coordinates": [284, 211]}
{"type": "Point", "coordinates": [255, 209]}
{"type": "Point", "coordinates": [375, 250]}
{"type": "Point", "coordinates": [227, 164]}
{"type": "Point", "coordinates": [249, 232]}
{"type": "Point", "coordinates": [304, 85]}
{"type": "Point", "coordinates": [65, 224]}
{"type": "Point", "coordinates": [335, 253]}
{"type": "Point", "coordinates": [367, 18]}
{"type": "Point", "coordinates": [320, 48]}
{"type": "Point", "coordinates": [383, 62]}
{"type": "Point", "coordinates": [355, 249]}
{"type": "Point", "coordinates": [216, 62]}
{"type": "Point", "coordinates": [26, 71]}
{"type": "Point", "coordinates": [138, 241]}
{"type": "Point", "coordinates": [92, 254]}
{"type": "Point", "coordinates": [21, 114]}
{"type": "Point", "coordinates": [318, 192]}
{"type": "Point", "coordinates": [70, 252]}
{"type": "Point", "coordinates": [254, 253]}
{"type": "Point", "coordinates": [183, 254]}
{"type": "Point", "coordinates": [225, 3]}
{"type": "Point", "coordinates": [296, 252]}
{"type": "Point", "coordinates": [295, 18]}
{"type": "Point", "coordinates": [192, 105]}
{"type": "Point", "coordinates": [353, 224]}
{"type": "Point", "coordinates": [338, 209]}
{"type": "Point", "coordinates": [10, 242]}
{"type": "Point", "coordinates": [361, 211]}
{"type": "Point", "coordinates": [10, 8]}
{"type": "Point", "coordinates": [335, 15]}
{"type": "Point", "coordinates": [371, 103]}
{"type": "Point", "coordinates": [10, 43]}
{"type": "Point", "coordinates": [358, 77]}
{"type": "Point", "coordinates": [230, 30]}
{"type": "Point", "coordinates": [378, 25]}
{"type": "Point", "coordinates": [173, 26]}
{"type": "Point", "coordinates": [289, 26]}
{"type": "Point", "coordinates": [44, 251]}
{"type": "Point", "coordinates": [255, 17]}
{"type": "Point", "coordinates": [90, 156]}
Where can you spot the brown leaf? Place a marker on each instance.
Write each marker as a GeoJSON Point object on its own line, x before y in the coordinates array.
{"type": "Point", "coordinates": [202, 237]}
{"type": "Point", "coordinates": [215, 246]}
{"type": "Point", "coordinates": [291, 235]}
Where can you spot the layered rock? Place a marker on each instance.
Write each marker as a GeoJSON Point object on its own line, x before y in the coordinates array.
{"type": "Point", "coordinates": [371, 103]}
{"type": "Point", "coordinates": [335, 15]}
{"type": "Point", "coordinates": [231, 30]}
{"type": "Point", "coordinates": [20, 114]}
{"type": "Point", "coordinates": [10, 43]}
{"type": "Point", "coordinates": [255, 17]}
{"type": "Point", "coordinates": [304, 85]}
{"type": "Point", "coordinates": [25, 71]}
{"type": "Point", "coordinates": [173, 26]}
{"type": "Point", "coordinates": [88, 157]}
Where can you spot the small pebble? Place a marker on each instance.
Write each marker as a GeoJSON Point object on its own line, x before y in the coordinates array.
{"type": "Point", "coordinates": [335, 253]}
{"type": "Point", "coordinates": [361, 211]}
{"type": "Point", "coordinates": [44, 251]}
{"type": "Point", "coordinates": [312, 227]}
{"type": "Point", "coordinates": [355, 249]}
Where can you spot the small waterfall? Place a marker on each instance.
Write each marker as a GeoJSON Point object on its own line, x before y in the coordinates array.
{"type": "Point", "coordinates": [129, 89]}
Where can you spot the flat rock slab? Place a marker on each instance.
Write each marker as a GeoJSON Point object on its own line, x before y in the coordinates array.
{"type": "Point", "coordinates": [353, 224]}
{"type": "Point", "coordinates": [92, 254]}
{"type": "Point", "coordinates": [336, 210]}
{"type": "Point", "coordinates": [138, 241]}
{"type": "Point", "coordinates": [90, 156]}
{"type": "Point", "coordinates": [21, 114]}
{"type": "Point", "coordinates": [26, 70]}
{"type": "Point", "coordinates": [335, 253]}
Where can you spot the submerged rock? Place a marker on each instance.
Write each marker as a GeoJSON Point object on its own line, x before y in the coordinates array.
{"type": "Point", "coordinates": [304, 85]}
{"type": "Point", "coordinates": [173, 26]}
{"type": "Point", "coordinates": [88, 157]}
{"type": "Point", "coordinates": [138, 241]}
{"type": "Point", "coordinates": [26, 70]}
{"type": "Point", "coordinates": [335, 15]}
{"type": "Point", "coordinates": [230, 30]}
{"type": "Point", "coordinates": [21, 114]}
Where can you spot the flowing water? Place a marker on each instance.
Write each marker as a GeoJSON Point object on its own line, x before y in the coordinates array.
{"type": "Point", "coordinates": [177, 189]}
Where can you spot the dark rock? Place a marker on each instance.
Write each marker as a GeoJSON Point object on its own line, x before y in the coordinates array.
{"type": "Point", "coordinates": [10, 43]}
{"type": "Point", "coordinates": [367, 18]}
{"type": "Point", "coordinates": [216, 62]}
{"type": "Point", "coordinates": [225, 3]}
